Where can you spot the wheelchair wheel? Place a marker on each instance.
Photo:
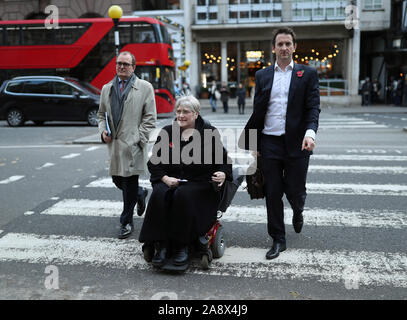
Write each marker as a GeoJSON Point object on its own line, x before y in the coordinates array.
{"type": "Point", "coordinates": [218, 246]}
{"type": "Point", "coordinates": [205, 262]}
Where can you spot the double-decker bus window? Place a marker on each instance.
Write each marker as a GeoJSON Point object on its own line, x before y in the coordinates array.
{"type": "Point", "coordinates": [125, 33]}
{"type": "Point", "coordinates": [165, 35]}
{"type": "Point", "coordinates": [96, 59]}
{"type": "Point", "coordinates": [37, 86]}
{"type": "Point", "coordinates": [37, 35]}
{"type": "Point", "coordinates": [143, 33]}
{"type": "Point", "coordinates": [13, 36]}
{"type": "Point", "coordinates": [167, 79]}
{"type": "Point", "coordinates": [70, 33]}
{"type": "Point", "coordinates": [149, 74]}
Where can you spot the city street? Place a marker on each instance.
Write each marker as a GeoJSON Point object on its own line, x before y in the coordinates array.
{"type": "Point", "coordinates": [59, 220]}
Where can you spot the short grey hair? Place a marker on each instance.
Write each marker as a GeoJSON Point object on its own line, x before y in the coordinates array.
{"type": "Point", "coordinates": [189, 102]}
{"type": "Point", "coordinates": [133, 59]}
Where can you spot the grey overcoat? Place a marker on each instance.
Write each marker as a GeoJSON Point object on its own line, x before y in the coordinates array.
{"type": "Point", "coordinates": [128, 149]}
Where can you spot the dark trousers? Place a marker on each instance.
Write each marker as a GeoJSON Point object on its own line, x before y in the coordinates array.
{"type": "Point", "coordinates": [282, 175]}
{"type": "Point", "coordinates": [130, 190]}
{"type": "Point", "coordinates": [225, 107]}
{"type": "Point", "coordinates": [241, 108]}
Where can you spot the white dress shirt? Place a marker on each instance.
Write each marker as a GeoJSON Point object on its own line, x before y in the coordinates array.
{"type": "Point", "coordinates": [274, 122]}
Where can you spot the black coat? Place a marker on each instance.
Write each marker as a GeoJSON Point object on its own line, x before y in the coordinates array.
{"type": "Point", "coordinates": [184, 213]}
{"type": "Point", "coordinates": [241, 95]}
{"type": "Point", "coordinates": [303, 108]}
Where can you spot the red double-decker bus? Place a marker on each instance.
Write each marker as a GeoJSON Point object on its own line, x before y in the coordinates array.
{"type": "Point", "coordinates": [85, 49]}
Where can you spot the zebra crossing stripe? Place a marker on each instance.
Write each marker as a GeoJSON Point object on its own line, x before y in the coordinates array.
{"type": "Point", "coordinates": [312, 188]}
{"type": "Point", "coordinates": [11, 179]}
{"type": "Point", "coordinates": [363, 267]}
{"type": "Point", "coordinates": [246, 214]}
{"type": "Point", "coordinates": [357, 169]}
{"type": "Point", "coordinates": [347, 157]}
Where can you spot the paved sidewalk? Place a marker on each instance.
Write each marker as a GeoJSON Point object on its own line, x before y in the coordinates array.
{"type": "Point", "coordinates": [205, 107]}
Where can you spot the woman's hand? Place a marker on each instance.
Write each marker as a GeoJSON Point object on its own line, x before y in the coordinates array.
{"type": "Point", "coordinates": [219, 177]}
{"type": "Point", "coordinates": [170, 181]}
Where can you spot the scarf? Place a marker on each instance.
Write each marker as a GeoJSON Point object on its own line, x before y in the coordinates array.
{"type": "Point", "coordinates": [117, 98]}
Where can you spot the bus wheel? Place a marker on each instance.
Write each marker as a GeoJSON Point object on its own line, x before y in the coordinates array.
{"type": "Point", "coordinates": [92, 117]}
{"type": "Point", "coordinates": [15, 118]}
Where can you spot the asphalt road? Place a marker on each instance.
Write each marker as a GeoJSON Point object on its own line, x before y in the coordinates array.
{"type": "Point", "coordinates": [59, 217]}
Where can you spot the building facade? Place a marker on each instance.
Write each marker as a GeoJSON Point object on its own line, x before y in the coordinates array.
{"type": "Point", "coordinates": [229, 40]}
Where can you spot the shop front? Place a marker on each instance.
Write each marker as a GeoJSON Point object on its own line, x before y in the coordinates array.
{"type": "Point", "coordinates": [245, 58]}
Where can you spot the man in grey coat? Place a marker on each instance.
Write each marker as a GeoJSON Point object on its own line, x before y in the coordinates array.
{"type": "Point", "coordinates": [130, 106]}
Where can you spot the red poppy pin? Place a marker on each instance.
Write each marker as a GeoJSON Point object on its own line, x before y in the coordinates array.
{"type": "Point", "coordinates": [170, 144]}
{"type": "Point", "coordinates": [300, 73]}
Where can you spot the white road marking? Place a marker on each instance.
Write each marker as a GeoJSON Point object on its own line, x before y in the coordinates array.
{"type": "Point", "coordinates": [312, 188]}
{"type": "Point", "coordinates": [323, 217]}
{"type": "Point", "coordinates": [92, 148]}
{"type": "Point", "coordinates": [70, 156]}
{"type": "Point", "coordinates": [357, 189]}
{"type": "Point", "coordinates": [84, 207]}
{"type": "Point", "coordinates": [41, 146]}
{"type": "Point", "coordinates": [372, 268]}
{"type": "Point", "coordinates": [357, 169]}
{"type": "Point", "coordinates": [350, 126]}
{"type": "Point", "coordinates": [246, 214]}
{"type": "Point", "coordinates": [11, 179]}
{"type": "Point", "coordinates": [29, 213]}
{"type": "Point", "coordinates": [348, 157]}
{"type": "Point", "coordinates": [46, 165]}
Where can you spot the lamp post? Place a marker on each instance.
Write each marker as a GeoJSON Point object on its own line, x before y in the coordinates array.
{"type": "Point", "coordinates": [115, 12]}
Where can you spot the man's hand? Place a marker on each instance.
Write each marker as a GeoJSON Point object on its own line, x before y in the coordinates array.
{"type": "Point", "coordinates": [105, 137]}
{"type": "Point", "coordinates": [308, 144]}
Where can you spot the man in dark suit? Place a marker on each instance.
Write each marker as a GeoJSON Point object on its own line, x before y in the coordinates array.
{"type": "Point", "coordinates": [285, 116]}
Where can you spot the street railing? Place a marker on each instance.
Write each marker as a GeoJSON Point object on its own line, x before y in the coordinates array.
{"type": "Point", "coordinates": [333, 87]}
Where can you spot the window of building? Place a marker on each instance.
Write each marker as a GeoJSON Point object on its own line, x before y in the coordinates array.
{"type": "Point", "coordinates": [254, 10]}
{"type": "Point", "coordinates": [210, 62]}
{"type": "Point", "coordinates": [318, 10]}
{"type": "Point", "coordinates": [156, 5]}
{"type": "Point", "coordinates": [206, 11]}
{"type": "Point", "coordinates": [373, 4]}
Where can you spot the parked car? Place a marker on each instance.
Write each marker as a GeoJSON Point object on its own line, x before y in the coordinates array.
{"type": "Point", "coordinates": [48, 98]}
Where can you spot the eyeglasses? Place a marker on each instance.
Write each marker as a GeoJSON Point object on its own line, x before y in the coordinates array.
{"type": "Point", "coordinates": [123, 64]}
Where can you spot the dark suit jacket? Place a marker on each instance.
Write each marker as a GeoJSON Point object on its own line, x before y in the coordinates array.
{"type": "Point", "coordinates": [302, 108]}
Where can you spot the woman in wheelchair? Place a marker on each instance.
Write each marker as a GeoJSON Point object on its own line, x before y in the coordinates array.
{"type": "Point", "coordinates": [187, 166]}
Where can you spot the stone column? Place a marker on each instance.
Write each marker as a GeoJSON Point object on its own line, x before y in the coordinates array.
{"type": "Point", "coordinates": [354, 63]}
{"type": "Point", "coordinates": [223, 68]}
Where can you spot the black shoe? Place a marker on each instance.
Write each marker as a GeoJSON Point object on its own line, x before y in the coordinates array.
{"type": "Point", "coordinates": [298, 221]}
{"type": "Point", "coordinates": [160, 255]}
{"type": "Point", "coordinates": [125, 231]}
{"type": "Point", "coordinates": [141, 203]}
{"type": "Point", "coordinates": [180, 256]}
{"type": "Point", "coordinates": [148, 251]}
{"type": "Point", "coordinates": [275, 250]}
